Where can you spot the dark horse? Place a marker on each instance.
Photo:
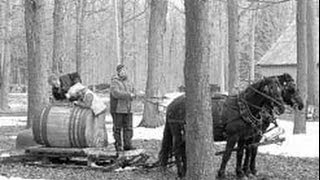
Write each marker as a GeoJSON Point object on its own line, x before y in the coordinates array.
{"type": "Point", "coordinates": [234, 118]}
{"type": "Point", "coordinates": [292, 98]}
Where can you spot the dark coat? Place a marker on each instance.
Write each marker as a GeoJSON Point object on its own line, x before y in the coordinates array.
{"type": "Point", "coordinates": [120, 98]}
{"type": "Point", "coordinates": [66, 81]}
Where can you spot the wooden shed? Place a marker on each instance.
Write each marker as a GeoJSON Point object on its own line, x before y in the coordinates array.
{"type": "Point", "coordinates": [282, 56]}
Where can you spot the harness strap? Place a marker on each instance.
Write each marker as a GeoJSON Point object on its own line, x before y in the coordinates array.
{"type": "Point", "coordinates": [265, 95]}
{"type": "Point", "coordinates": [248, 117]}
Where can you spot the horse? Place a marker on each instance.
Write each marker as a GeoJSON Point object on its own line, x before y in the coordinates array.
{"type": "Point", "coordinates": [173, 142]}
{"type": "Point", "coordinates": [292, 98]}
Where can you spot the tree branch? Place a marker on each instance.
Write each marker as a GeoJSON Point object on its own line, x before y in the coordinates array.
{"type": "Point", "coordinates": [269, 1]}
{"type": "Point", "coordinates": [137, 15]}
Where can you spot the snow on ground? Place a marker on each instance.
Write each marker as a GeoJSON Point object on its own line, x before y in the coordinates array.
{"type": "Point", "coordinates": [13, 121]}
{"type": "Point", "coordinates": [15, 178]}
{"type": "Point", "coordinates": [304, 145]}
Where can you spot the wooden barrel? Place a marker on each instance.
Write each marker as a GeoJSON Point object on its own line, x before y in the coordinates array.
{"type": "Point", "coordinates": [62, 126]}
{"type": "Point", "coordinates": [218, 123]}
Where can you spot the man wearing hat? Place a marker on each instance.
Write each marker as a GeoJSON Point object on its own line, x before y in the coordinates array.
{"type": "Point", "coordinates": [121, 96]}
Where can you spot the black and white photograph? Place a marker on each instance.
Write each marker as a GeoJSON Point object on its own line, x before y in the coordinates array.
{"type": "Point", "coordinates": [159, 89]}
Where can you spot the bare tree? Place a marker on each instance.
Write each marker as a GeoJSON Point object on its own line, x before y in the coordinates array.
{"type": "Point", "coordinates": [302, 81]}
{"type": "Point", "coordinates": [6, 58]}
{"type": "Point", "coordinates": [233, 26]}
{"type": "Point", "coordinates": [37, 62]}
{"type": "Point", "coordinates": [80, 6]}
{"type": "Point", "coordinates": [134, 42]}
{"type": "Point", "coordinates": [121, 29]}
{"type": "Point", "coordinates": [118, 39]}
{"type": "Point", "coordinates": [312, 61]}
{"type": "Point", "coordinates": [157, 28]}
{"type": "Point", "coordinates": [58, 36]}
{"type": "Point", "coordinates": [252, 44]}
{"type": "Point", "coordinates": [199, 136]}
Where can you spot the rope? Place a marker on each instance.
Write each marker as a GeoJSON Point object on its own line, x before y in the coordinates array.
{"type": "Point", "coordinates": [149, 100]}
{"type": "Point", "coordinates": [266, 96]}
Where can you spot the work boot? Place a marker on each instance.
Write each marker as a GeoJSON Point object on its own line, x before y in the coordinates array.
{"type": "Point", "coordinates": [117, 138]}
{"type": "Point", "coordinates": [128, 133]}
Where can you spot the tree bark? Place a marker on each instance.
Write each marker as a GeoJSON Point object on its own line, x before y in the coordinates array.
{"type": "Point", "coordinates": [157, 28]}
{"type": "Point", "coordinates": [252, 44]}
{"type": "Point", "coordinates": [121, 31]}
{"type": "Point", "coordinates": [233, 38]}
{"type": "Point", "coordinates": [312, 61]}
{"type": "Point", "coordinates": [134, 42]}
{"type": "Point", "coordinates": [79, 33]}
{"type": "Point", "coordinates": [58, 51]}
{"type": "Point", "coordinates": [302, 81]}
{"type": "Point", "coordinates": [38, 65]}
{"type": "Point", "coordinates": [199, 136]}
{"type": "Point", "coordinates": [118, 39]}
{"type": "Point", "coordinates": [6, 59]}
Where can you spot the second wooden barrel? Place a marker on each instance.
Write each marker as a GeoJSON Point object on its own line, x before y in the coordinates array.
{"type": "Point", "coordinates": [217, 103]}
{"type": "Point", "coordinates": [63, 126]}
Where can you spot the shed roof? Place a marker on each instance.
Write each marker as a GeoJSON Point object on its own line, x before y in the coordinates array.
{"type": "Point", "coordinates": [284, 50]}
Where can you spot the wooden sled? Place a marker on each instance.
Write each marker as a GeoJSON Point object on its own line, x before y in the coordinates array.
{"type": "Point", "coordinates": [105, 159]}
{"type": "Point", "coordinates": [273, 141]}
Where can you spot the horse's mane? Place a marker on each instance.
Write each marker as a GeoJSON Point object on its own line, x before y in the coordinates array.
{"type": "Point", "coordinates": [256, 85]}
{"type": "Point", "coordinates": [285, 77]}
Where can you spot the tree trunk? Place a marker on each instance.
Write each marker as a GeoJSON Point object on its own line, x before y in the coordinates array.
{"type": "Point", "coordinates": [38, 65]}
{"type": "Point", "coordinates": [6, 58]}
{"type": "Point", "coordinates": [151, 115]}
{"type": "Point", "coordinates": [172, 81]}
{"type": "Point", "coordinates": [312, 61]}
{"type": "Point", "coordinates": [134, 42]}
{"type": "Point", "coordinates": [79, 33]}
{"type": "Point", "coordinates": [199, 136]}
{"type": "Point", "coordinates": [233, 38]}
{"type": "Point", "coordinates": [146, 35]}
{"type": "Point", "coordinates": [118, 39]}
{"type": "Point", "coordinates": [121, 30]}
{"type": "Point", "coordinates": [302, 81]}
{"type": "Point", "coordinates": [252, 44]}
{"type": "Point", "coordinates": [59, 48]}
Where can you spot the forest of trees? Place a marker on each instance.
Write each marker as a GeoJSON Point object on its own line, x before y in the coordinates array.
{"type": "Point", "coordinates": [86, 31]}
{"type": "Point", "coordinates": [165, 44]}
{"type": "Point", "coordinates": [93, 36]}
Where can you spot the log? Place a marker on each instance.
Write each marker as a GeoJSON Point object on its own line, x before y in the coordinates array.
{"type": "Point", "coordinates": [13, 156]}
{"type": "Point", "coordinates": [56, 152]}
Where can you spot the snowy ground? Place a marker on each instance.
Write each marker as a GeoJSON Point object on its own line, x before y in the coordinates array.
{"type": "Point", "coordinates": [16, 178]}
{"type": "Point", "coordinates": [295, 145]}
{"type": "Point", "coordinates": [305, 145]}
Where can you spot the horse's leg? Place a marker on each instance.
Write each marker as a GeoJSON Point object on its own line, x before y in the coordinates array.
{"type": "Point", "coordinates": [226, 156]}
{"type": "Point", "coordinates": [184, 158]}
{"type": "Point", "coordinates": [253, 160]}
{"type": "Point", "coordinates": [247, 158]}
{"type": "Point", "coordinates": [240, 150]}
{"type": "Point", "coordinates": [177, 152]}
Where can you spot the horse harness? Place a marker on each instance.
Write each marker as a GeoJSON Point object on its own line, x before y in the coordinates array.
{"type": "Point", "coordinates": [256, 122]}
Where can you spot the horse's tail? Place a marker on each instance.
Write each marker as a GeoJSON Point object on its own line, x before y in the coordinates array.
{"type": "Point", "coordinates": [166, 146]}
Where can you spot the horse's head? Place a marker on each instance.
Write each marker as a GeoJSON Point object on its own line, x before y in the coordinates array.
{"type": "Point", "coordinates": [290, 94]}
{"type": "Point", "coordinates": [271, 91]}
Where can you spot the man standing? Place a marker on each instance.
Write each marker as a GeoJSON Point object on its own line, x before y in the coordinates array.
{"type": "Point", "coordinates": [121, 96]}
